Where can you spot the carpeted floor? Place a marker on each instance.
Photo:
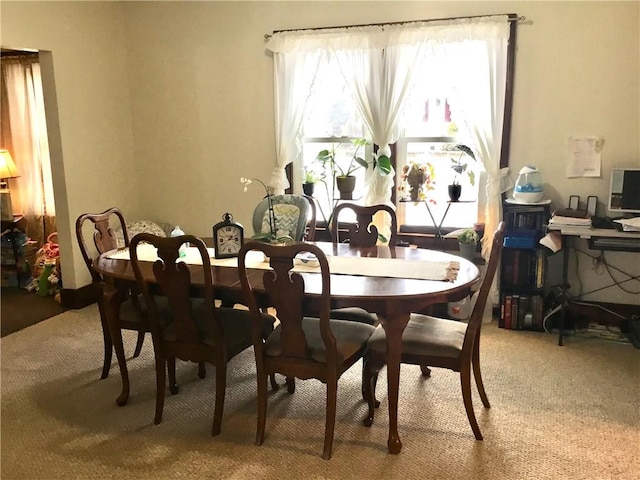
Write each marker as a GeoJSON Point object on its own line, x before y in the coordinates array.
{"type": "Point", "coordinates": [567, 412]}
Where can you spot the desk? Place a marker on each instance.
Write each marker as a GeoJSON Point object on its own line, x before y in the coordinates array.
{"type": "Point", "coordinates": [570, 232]}
{"type": "Point", "coordinates": [393, 299]}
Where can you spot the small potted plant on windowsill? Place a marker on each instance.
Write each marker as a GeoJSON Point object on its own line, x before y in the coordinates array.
{"type": "Point", "coordinates": [309, 180]}
{"type": "Point", "coordinates": [468, 243]}
{"type": "Point", "coordinates": [455, 189]}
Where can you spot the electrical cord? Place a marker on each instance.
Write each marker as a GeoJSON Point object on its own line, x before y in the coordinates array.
{"type": "Point", "coordinates": [608, 268]}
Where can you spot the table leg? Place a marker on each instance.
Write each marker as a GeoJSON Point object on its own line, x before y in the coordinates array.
{"type": "Point", "coordinates": [111, 302]}
{"type": "Point", "coordinates": [565, 286]}
{"type": "Point", "coordinates": [393, 327]}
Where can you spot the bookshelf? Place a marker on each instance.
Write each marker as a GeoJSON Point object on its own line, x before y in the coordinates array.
{"type": "Point", "coordinates": [523, 266]}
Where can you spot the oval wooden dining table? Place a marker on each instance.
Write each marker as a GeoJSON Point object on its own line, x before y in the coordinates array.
{"type": "Point", "coordinates": [392, 299]}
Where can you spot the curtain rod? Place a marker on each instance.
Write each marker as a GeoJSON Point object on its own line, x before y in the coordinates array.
{"type": "Point", "coordinates": [512, 18]}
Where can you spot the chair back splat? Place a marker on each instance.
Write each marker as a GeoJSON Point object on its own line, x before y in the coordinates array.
{"type": "Point", "coordinates": [300, 346]}
{"type": "Point", "coordinates": [363, 233]}
{"type": "Point", "coordinates": [104, 238]}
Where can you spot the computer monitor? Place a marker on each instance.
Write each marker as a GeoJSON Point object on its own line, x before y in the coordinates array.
{"type": "Point", "coordinates": [624, 191]}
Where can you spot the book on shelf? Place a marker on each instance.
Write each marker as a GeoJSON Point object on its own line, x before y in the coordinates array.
{"type": "Point", "coordinates": [522, 311]}
{"type": "Point", "coordinates": [507, 312]}
{"type": "Point", "coordinates": [539, 269]}
{"type": "Point", "coordinates": [515, 302]}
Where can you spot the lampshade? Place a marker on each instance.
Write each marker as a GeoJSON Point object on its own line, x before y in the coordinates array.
{"type": "Point", "coordinates": [8, 169]}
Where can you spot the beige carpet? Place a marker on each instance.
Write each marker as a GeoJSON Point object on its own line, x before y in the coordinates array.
{"type": "Point", "coordinates": [567, 412]}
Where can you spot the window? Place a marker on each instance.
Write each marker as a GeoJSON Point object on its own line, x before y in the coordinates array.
{"type": "Point", "coordinates": [468, 65]}
{"type": "Point", "coordinates": [332, 120]}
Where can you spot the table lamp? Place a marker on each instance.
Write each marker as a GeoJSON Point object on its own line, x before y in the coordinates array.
{"type": "Point", "coordinates": [8, 170]}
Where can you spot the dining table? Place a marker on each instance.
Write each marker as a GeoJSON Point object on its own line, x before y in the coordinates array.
{"type": "Point", "coordinates": [393, 291]}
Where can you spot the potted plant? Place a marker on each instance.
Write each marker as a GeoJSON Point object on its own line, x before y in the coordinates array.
{"type": "Point", "coordinates": [455, 189]}
{"type": "Point", "coordinates": [342, 172]}
{"type": "Point", "coordinates": [417, 181]}
{"type": "Point", "coordinates": [468, 242]}
{"type": "Point", "coordinates": [309, 179]}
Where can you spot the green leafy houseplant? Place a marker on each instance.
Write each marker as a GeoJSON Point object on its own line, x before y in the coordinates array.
{"type": "Point", "coordinates": [309, 176]}
{"type": "Point", "coordinates": [340, 169]}
{"type": "Point", "coordinates": [468, 237]}
{"type": "Point", "coordinates": [329, 161]}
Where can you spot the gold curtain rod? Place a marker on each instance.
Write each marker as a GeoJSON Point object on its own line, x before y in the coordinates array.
{"type": "Point", "coordinates": [512, 18]}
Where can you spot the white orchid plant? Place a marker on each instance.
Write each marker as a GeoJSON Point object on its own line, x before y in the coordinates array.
{"type": "Point", "coordinates": [273, 235]}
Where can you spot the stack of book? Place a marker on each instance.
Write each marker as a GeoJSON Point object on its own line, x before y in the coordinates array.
{"type": "Point", "coordinates": [570, 217]}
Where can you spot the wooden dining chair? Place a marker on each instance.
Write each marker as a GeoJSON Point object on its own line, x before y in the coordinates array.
{"type": "Point", "coordinates": [363, 233]}
{"type": "Point", "coordinates": [437, 342]}
{"type": "Point", "coordinates": [131, 315]}
{"type": "Point", "coordinates": [196, 329]}
{"type": "Point", "coordinates": [300, 346]}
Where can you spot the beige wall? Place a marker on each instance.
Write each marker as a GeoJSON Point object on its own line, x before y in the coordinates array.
{"type": "Point", "coordinates": [181, 98]}
{"type": "Point", "coordinates": [95, 154]}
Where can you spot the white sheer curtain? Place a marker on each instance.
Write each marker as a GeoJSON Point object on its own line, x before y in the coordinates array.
{"type": "Point", "coordinates": [294, 72]}
{"type": "Point", "coordinates": [379, 78]}
{"type": "Point", "coordinates": [475, 57]}
{"type": "Point", "coordinates": [24, 134]}
{"type": "Point", "coordinates": [476, 63]}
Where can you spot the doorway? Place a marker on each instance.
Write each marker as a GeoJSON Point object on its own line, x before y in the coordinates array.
{"type": "Point", "coordinates": [24, 138]}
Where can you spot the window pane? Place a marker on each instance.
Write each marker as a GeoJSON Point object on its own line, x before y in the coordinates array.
{"type": "Point", "coordinates": [325, 192]}
{"type": "Point", "coordinates": [330, 110]}
{"type": "Point", "coordinates": [462, 214]}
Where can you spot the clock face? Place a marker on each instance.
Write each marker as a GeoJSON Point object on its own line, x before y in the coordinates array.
{"type": "Point", "coordinates": [228, 237]}
{"type": "Point", "coordinates": [229, 240]}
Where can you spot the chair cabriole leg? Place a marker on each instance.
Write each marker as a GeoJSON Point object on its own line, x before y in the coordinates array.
{"type": "Point", "coordinates": [171, 371]}
{"type": "Point", "coordinates": [478, 376]}
{"type": "Point", "coordinates": [139, 343]}
{"type": "Point", "coordinates": [330, 421]}
{"type": "Point", "coordinates": [221, 385]}
{"type": "Point", "coordinates": [262, 407]}
{"type": "Point", "coordinates": [160, 386]}
{"type": "Point", "coordinates": [465, 383]}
